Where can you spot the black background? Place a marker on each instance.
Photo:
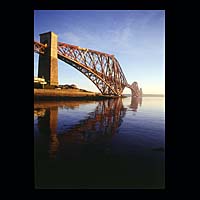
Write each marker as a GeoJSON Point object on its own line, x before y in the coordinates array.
{"type": "Point", "coordinates": [21, 160]}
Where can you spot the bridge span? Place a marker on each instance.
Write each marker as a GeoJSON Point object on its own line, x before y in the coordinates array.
{"type": "Point", "coordinates": [101, 68]}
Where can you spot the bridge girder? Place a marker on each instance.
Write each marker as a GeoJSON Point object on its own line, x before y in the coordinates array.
{"type": "Point", "coordinates": [39, 47]}
{"type": "Point", "coordinates": [102, 69]}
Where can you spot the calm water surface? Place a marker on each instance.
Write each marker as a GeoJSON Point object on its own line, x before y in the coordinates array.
{"type": "Point", "coordinates": [116, 143]}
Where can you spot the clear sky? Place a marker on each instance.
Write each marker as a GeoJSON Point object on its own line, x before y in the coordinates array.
{"type": "Point", "coordinates": [135, 37]}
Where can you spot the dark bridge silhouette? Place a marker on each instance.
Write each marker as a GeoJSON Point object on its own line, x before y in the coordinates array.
{"type": "Point", "coordinates": [100, 125]}
{"type": "Point", "coordinates": [101, 68]}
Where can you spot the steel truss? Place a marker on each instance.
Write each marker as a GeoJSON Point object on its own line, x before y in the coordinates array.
{"type": "Point", "coordinates": [101, 68]}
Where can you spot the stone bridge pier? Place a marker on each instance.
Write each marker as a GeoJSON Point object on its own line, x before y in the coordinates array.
{"type": "Point", "coordinates": [48, 63]}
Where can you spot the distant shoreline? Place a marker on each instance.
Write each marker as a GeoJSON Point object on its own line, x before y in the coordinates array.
{"type": "Point", "coordinates": [153, 95]}
{"type": "Point", "coordinates": [68, 94]}
{"type": "Point", "coordinates": [76, 94]}
{"type": "Point", "coordinates": [148, 95]}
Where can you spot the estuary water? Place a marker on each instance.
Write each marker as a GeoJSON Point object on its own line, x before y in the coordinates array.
{"type": "Point", "coordinates": [115, 143]}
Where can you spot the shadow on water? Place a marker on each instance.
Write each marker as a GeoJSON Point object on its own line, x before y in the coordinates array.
{"type": "Point", "coordinates": [80, 156]}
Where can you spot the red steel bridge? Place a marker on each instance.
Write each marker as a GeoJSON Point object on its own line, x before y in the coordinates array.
{"type": "Point", "coordinates": [101, 68]}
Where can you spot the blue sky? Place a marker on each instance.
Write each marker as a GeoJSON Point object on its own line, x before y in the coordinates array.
{"type": "Point", "coordinates": [135, 37]}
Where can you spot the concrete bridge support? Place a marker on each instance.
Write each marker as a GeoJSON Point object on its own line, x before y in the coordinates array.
{"type": "Point", "coordinates": [48, 63]}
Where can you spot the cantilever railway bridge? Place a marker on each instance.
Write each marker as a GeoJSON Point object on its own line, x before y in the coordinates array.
{"type": "Point", "coordinates": [101, 68]}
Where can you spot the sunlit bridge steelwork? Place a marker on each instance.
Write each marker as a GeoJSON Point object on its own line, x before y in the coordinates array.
{"type": "Point", "coordinates": [101, 68]}
{"type": "Point", "coordinates": [39, 48]}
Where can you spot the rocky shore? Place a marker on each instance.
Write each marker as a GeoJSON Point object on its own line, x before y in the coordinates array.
{"type": "Point", "coordinates": [67, 94]}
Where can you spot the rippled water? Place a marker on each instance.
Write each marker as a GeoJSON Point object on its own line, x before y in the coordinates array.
{"type": "Point", "coordinates": [116, 143]}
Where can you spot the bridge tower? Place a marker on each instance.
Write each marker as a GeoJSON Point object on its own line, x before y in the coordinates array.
{"type": "Point", "coordinates": [48, 63]}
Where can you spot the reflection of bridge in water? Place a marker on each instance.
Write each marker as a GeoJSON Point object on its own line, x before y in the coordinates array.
{"type": "Point", "coordinates": [99, 126]}
{"type": "Point", "coordinates": [134, 103]}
